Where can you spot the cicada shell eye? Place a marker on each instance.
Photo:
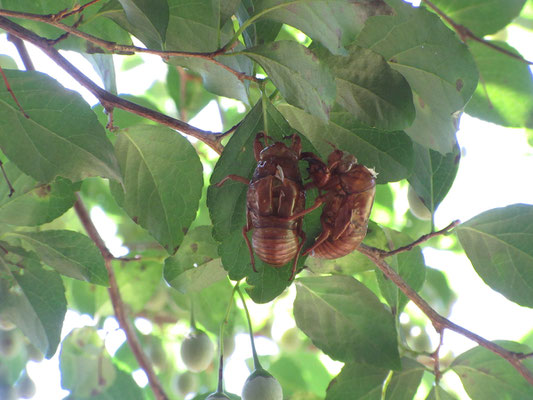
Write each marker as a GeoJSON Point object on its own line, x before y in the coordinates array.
{"type": "Point", "coordinates": [347, 163]}
{"type": "Point", "coordinates": [334, 158]}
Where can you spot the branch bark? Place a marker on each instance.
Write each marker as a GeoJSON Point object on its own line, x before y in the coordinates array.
{"type": "Point", "coordinates": [118, 304]}
{"type": "Point", "coordinates": [438, 321]}
{"type": "Point", "coordinates": [127, 49]}
{"type": "Point", "coordinates": [108, 100]}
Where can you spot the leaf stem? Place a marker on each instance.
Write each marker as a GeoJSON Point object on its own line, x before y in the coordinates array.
{"type": "Point", "coordinates": [257, 364]}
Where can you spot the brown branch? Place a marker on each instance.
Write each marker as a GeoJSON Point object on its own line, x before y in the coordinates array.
{"type": "Point", "coordinates": [118, 304]}
{"type": "Point", "coordinates": [127, 49]}
{"type": "Point", "coordinates": [465, 34]}
{"type": "Point", "coordinates": [75, 10]}
{"type": "Point", "coordinates": [420, 240]}
{"type": "Point", "coordinates": [439, 322]}
{"type": "Point", "coordinates": [108, 100]}
{"type": "Point", "coordinates": [9, 185]}
{"type": "Point", "coordinates": [23, 52]}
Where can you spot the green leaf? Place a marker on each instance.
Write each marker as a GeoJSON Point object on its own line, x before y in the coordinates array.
{"type": "Point", "coordinates": [216, 78]}
{"type": "Point", "coordinates": [69, 253]}
{"type": "Point", "coordinates": [346, 320]}
{"type": "Point", "coordinates": [61, 137]}
{"type": "Point", "coordinates": [334, 23]}
{"type": "Point", "coordinates": [150, 16]}
{"type": "Point", "coordinates": [194, 25]}
{"type": "Point", "coordinates": [137, 281]}
{"type": "Point", "coordinates": [409, 265]}
{"type": "Point", "coordinates": [194, 267]}
{"type": "Point", "coordinates": [211, 304]}
{"type": "Point", "coordinates": [503, 96]}
{"type": "Point", "coordinates": [370, 89]}
{"type": "Point", "coordinates": [227, 205]}
{"type": "Point", "coordinates": [433, 174]}
{"type": "Point", "coordinates": [488, 376]}
{"type": "Point", "coordinates": [357, 381]}
{"type": "Point", "coordinates": [33, 204]}
{"type": "Point", "coordinates": [390, 154]}
{"type": "Point", "coordinates": [162, 181]}
{"type": "Point", "coordinates": [261, 31]}
{"type": "Point", "coordinates": [86, 368]}
{"type": "Point", "coordinates": [438, 67]}
{"type": "Point", "coordinates": [481, 17]}
{"type": "Point", "coordinates": [437, 288]}
{"type": "Point", "coordinates": [7, 62]}
{"type": "Point", "coordinates": [498, 243]}
{"type": "Point", "coordinates": [438, 393]}
{"type": "Point", "coordinates": [39, 307]}
{"type": "Point", "coordinates": [298, 74]}
{"type": "Point", "coordinates": [404, 383]}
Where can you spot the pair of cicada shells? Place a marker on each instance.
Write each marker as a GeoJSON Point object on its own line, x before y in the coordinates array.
{"type": "Point", "coordinates": [275, 203]}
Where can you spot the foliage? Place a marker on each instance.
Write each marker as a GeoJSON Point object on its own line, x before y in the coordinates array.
{"type": "Point", "coordinates": [380, 79]}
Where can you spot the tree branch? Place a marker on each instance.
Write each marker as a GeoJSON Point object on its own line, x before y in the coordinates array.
{"type": "Point", "coordinates": [118, 304]}
{"type": "Point", "coordinates": [23, 52]}
{"type": "Point", "coordinates": [465, 34]}
{"type": "Point", "coordinates": [420, 240]}
{"type": "Point", "coordinates": [439, 322]}
{"type": "Point", "coordinates": [108, 100]}
{"type": "Point", "coordinates": [127, 49]}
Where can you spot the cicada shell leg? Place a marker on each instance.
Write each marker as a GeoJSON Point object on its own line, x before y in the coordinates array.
{"type": "Point", "coordinates": [233, 178]}
{"type": "Point", "coordinates": [324, 235]}
{"type": "Point", "coordinates": [245, 230]}
{"type": "Point", "coordinates": [301, 233]}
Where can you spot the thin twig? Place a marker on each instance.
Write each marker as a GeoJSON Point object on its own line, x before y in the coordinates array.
{"type": "Point", "coordinates": [108, 100]}
{"type": "Point", "coordinates": [8, 87]}
{"type": "Point", "coordinates": [420, 240]}
{"type": "Point", "coordinates": [23, 52]}
{"type": "Point", "coordinates": [118, 304]}
{"type": "Point", "coordinates": [9, 185]}
{"type": "Point", "coordinates": [439, 322]}
{"type": "Point", "coordinates": [465, 34]}
{"type": "Point", "coordinates": [76, 10]}
{"type": "Point", "coordinates": [128, 49]}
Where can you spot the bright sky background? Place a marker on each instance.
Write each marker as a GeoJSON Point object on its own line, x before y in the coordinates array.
{"type": "Point", "coordinates": [495, 171]}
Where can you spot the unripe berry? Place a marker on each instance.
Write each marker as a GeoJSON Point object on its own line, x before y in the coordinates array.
{"type": "Point", "coordinates": [417, 207]}
{"type": "Point", "coordinates": [260, 385]}
{"type": "Point", "coordinates": [186, 383]}
{"type": "Point", "coordinates": [197, 351]}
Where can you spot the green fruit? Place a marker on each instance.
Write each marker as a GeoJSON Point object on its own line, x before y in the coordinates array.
{"type": "Point", "coordinates": [186, 383]}
{"type": "Point", "coordinates": [25, 387]}
{"type": "Point", "coordinates": [260, 385]}
{"type": "Point", "coordinates": [417, 206]}
{"type": "Point", "coordinates": [10, 343]}
{"type": "Point", "coordinates": [197, 351]}
{"type": "Point", "coordinates": [217, 396]}
{"type": "Point", "coordinates": [158, 355]}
